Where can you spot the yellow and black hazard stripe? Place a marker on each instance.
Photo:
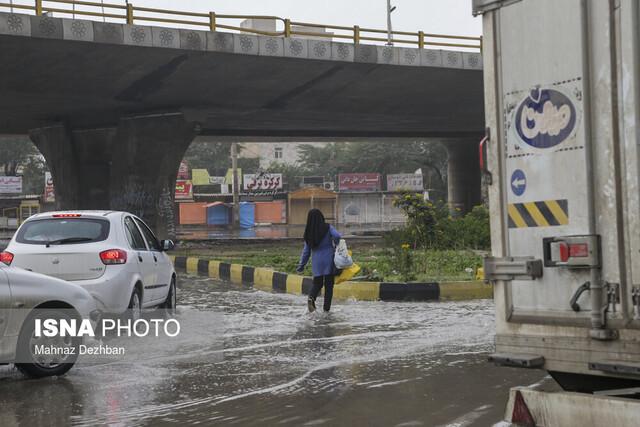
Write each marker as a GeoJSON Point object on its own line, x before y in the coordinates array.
{"type": "Point", "coordinates": [268, 280]}
{"type": "Point", "coordinates": [545, 213]}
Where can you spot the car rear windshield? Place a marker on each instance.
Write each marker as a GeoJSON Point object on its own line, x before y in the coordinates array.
{"type": "Point", "coordinates": [63, 231]}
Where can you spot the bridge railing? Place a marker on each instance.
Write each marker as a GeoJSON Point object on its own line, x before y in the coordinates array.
{"type": "Point", "coordinates": [212, 21]}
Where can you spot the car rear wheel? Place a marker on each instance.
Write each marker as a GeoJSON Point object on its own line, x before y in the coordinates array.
{"type": "Point", "coordinates": [35, 362]}
{"type": "Point", "coordinates": [170, 303]}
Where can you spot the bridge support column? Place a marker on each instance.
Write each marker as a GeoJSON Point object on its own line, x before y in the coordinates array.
{"type": "Point", "coordinates": [131, 167]}
{"type": "Point", "coordinates": [463, 175]}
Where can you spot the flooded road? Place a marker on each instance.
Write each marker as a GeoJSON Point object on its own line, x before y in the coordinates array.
{"type": "Point", "coordinates": [264, 361]}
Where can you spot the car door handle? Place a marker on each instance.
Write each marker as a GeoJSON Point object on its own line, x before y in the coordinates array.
{"type": "Point", "coordinates": [155, 259]}
{"type": "Point", "coordinates": [139, 258]}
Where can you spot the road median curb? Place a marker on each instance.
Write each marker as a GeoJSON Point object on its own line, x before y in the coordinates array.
{"type": "Point", "coordinates": [273, 281]}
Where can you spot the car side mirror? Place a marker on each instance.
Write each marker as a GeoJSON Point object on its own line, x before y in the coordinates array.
{"type": "Point", "coordinates": [167, 245]}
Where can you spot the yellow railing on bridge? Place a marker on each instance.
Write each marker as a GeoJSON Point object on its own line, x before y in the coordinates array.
{"type": "Point", "coordinates": [132, 14]}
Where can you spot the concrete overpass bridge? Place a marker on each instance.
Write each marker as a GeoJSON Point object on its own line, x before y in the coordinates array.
{"type": "Point", "coordinates": [113, 106]}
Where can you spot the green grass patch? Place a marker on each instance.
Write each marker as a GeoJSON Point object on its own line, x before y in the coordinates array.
{"type": "Point", "coordinates": [377, 264]}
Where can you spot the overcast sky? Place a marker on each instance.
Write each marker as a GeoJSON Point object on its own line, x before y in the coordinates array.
{"type": "Point", "coordinates": [430, 16]}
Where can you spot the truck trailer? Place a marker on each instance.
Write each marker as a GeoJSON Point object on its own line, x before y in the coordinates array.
{"type": "Point", "coordinates": [561, 161]}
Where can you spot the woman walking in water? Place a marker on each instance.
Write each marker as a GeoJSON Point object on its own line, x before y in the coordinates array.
{"type": "Point", "coordinates": [320, 240]}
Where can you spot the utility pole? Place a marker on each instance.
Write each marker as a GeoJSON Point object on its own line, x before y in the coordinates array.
{"type": "Point", "coordinates": [236, 190]}
{"type": "Point", "coordinates": [390, 10]}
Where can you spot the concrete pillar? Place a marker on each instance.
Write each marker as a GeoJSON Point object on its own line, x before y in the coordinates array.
{"type": "Point", "coordinates": [130, 167]}
{"type": "Point", "coordinates": [463, 175]}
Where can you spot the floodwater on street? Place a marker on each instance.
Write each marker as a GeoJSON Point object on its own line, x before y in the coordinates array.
{"type": "Point", "coordinates": [366, 363]}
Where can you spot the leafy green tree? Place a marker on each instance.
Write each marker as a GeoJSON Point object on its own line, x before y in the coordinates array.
{"type": "Point", "coordinates": [19, 153]}
{"type": "Point", "coordinates": [209, 155]}
{"type": "Point", "coordinates": [14, 152]}
{"type": "Point", "coordinates": [477, 234]}
{"type": "Point", "coordinates": [426, 220]}
{"type": "Point", "coordinates": [291, 174]}
{"type": "Point", "coordinates": [325, 161]}
{"type": "Point", "coordinates": [382, 157]}
{"type": "Point", "coordinates": [216, 156]}
{"type": "Point", "coordinates": [33, 175]}
{"type": "Point", "coordinates": [431, 226]}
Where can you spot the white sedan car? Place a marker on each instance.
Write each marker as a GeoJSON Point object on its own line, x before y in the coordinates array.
{"type": "Point", "coordinates": [26, 296]}
{"type": "Point", "coordinates": [113, 255]}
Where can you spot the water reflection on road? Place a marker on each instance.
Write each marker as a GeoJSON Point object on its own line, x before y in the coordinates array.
{"type": "Point", "coordinates": [367, 363]}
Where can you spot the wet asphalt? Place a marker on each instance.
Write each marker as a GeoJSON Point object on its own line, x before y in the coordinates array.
{"type": "Point", "coordinates": [247, 357]}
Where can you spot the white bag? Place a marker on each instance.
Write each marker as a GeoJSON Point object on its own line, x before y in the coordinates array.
{"type": "Point", "coordinates": [342, 259]}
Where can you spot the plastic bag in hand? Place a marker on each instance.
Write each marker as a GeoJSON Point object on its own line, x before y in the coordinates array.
{"type": "Point", "coordinates": [342, 258]}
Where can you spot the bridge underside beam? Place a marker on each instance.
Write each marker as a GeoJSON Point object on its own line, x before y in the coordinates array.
{"type": "Point", "coordinates": [130, 167]}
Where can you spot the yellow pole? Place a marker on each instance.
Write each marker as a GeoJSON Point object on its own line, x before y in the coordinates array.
{"type": "Point", "coordinates": [212, 21]}
{"type": "Point", "coordinates": [356, 34]}
{"type": "Point", "coordinates": [287, 27]}
{"type": "Point", "coordinates": [129, 13]}
{"type": "Point", "coordinates": [39, 7]}
{"type": "Point", "coordinates": [421, 39]}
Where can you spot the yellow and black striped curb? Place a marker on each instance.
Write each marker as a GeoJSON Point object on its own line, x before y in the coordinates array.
{"type": "Point", "coordinates": [545, 213]}
{"type": "Point", "coordinates": [269, 280]}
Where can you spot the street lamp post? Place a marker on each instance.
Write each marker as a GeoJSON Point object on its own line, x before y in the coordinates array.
{"type": "Point", "coordinates": [390, 10]}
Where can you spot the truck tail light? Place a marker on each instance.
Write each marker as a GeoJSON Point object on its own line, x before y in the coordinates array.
{"type": "Point", "coordinates": [563, 251]}
{"type": "Point", "coordinates": [113, 256]}
{"type": "Point", "coordinates": [579, 250]}
{"type": "Point", "coordinates": [572, 251]}
{"type": "Point", "coordinates": [6, 257]}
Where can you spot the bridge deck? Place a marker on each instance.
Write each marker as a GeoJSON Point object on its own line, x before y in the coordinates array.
{"type": "Point", "coordinates": [89, 74]}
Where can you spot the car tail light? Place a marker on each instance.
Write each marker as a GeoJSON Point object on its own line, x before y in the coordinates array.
{"type": "Point", "coordinates": [113, 256]}
{"type": "Point", "coordinates": [6, 257]}
{"type": "Point", "coordinates": [67, 215]}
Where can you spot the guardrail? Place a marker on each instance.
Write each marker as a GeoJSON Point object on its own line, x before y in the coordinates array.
{"type": "Point", "coordinates": [212, 21]}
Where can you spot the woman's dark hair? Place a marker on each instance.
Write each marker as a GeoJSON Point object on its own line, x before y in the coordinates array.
{"type": "Point", "coordinates": [316, 228]}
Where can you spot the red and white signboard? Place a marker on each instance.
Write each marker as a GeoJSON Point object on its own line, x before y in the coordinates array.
{"type": "Point", "coordinates": [359, 182]}
{"type": "Point", "coordinates": [11, 184]}
{"type": "Point", "coordinates": [183, 171]}
{"type": "Point", "coordinates": [49, 193]}
{"type": "Point", "coordinates": [184, 189]}
{"type": "Point", "coordinates": [263, 182]}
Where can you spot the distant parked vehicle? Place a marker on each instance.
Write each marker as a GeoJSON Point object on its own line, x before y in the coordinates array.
{"type": "Point", "coordinates": [25, 296]}
{"type": "Point", "coordinates": [113, 255]}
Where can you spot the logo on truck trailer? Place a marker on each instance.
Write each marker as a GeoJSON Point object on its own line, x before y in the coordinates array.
{"type": "Point", "coordinates": [545, 118]}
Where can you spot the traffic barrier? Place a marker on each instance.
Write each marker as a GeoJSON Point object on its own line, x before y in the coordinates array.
{"type": "Point", "coordinates": [273, 281]}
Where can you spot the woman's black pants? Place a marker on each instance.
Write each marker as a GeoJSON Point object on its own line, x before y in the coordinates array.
{"type": "Point", "coordinates": [318, 283]}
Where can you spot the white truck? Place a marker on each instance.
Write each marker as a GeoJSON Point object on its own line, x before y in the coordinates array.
{"type": "Point", "coordinates": [561, 157]}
